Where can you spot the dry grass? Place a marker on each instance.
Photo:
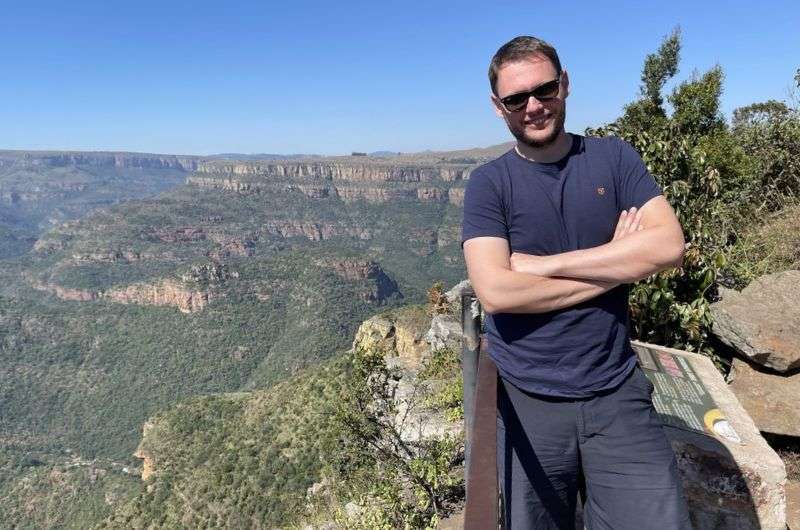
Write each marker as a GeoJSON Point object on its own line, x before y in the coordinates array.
{"type": "Point", "coordinates": [788, 448]}
{"type": "Point", "coordinates": [769, 247]}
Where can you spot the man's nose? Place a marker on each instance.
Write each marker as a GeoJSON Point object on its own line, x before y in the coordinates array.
{"type": "Point", "coordinates": [533, 105]}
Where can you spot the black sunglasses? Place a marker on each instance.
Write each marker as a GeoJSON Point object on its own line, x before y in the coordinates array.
{"type": "Point", "coordinates": [543, 92]}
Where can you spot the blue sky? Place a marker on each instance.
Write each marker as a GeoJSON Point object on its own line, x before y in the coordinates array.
{"type": "Point", "coordinates": [334, 77]}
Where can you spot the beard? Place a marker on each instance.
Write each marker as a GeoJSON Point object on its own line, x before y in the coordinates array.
{"type": "Point", "coordinates": [557, 126]}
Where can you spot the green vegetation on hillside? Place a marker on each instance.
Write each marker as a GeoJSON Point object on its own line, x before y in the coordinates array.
{"type": "Point", "coordinates": [247, 460]}
{"type": "Point", "coordinates": [63, 493]}
{"type": "Point", "coordinates": [36, 195]}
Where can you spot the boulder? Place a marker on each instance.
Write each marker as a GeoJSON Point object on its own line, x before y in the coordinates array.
{"type": "Point", "coordinates": [770, 399]}
{"type": "Point", "coordinates": [732, 480]}
{"type": "Point", "coordinates": [762, 322]}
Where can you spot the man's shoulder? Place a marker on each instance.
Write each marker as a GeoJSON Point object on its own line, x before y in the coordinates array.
{"type": "Point", "coordinates": [492, 173]}
{"type": "Point", "coordinates": [495, 166]}
{"type": "Point", "coordinates": [603, 145]}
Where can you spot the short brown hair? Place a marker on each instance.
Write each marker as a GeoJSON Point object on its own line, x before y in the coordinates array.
{"type": "Point", "coordinates": [519, 48]}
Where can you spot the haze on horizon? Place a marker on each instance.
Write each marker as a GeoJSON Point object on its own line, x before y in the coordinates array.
{"type": "Point", "coordinates": [317, 78]}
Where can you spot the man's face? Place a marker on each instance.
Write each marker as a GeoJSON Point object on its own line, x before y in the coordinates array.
{"type": "Point", "coordinates": [539, 123]}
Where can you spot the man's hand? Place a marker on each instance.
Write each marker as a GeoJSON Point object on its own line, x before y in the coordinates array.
{"type": "Point", "coordinates": [628, 223]}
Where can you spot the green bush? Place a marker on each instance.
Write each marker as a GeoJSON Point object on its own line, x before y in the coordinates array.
{"type": "Point", "coordinates": [718, 179]}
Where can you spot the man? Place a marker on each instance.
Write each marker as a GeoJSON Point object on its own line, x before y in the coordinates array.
{"type": "Point", "coordinates": [553, 232]}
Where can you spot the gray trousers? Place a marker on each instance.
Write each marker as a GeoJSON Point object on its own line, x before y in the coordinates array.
{"type": "Point", "coordinates": [611, 448]}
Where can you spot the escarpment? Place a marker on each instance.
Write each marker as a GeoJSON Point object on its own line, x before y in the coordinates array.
{"type": "Point", "coordinates": [344, 179]}
{"type": "Point", "coordinates": [369, 191]}
{"type": "Point", "coordinates": [344, 169]}
{"type": "Point", "coordinates": [167, 292]}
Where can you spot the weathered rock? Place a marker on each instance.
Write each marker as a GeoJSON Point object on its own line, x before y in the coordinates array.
{"type": "Point", "coordinates": [148, 464]}
{"type": "Point", "coordinates": [445, 332]}
{"type": "Point", "coordinates": [376, 332]}
{"type": "Point", "coordinates": [770, 399]}
{"type": "Point", "coordinates": [401, 336]}
{"type": "Point", "coordinates": [414, 421]}
{"type": "Point", "coordinates": [763, 321]}
{"type": "Point", "coordinates": [166, 292]}
{"type": "Point", "coordinates": [454, 294]}
{"type": "Point", "coordinates": [728, 485]}
{"type": "Point", "coordinates": [411, 345]}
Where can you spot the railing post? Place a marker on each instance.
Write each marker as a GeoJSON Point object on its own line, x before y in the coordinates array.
{"type": "Point", "coordinates": [470, 344]}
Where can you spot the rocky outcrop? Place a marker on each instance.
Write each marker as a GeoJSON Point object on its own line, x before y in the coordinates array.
{"type": "Point", "coordinates": [762, 323]}
{"type": "Point", "coordinates": [164, 293]}
{"type": "Point", "coordinates": [769, 398]}
{"type": "Point", "coordinates": [110, 256]}
{"type": "Point", "coordinates": [359, 269]}
{"type": "Point", "coordinates": [346, 179]}
{"type": "Point", "coordinates": [315, 231]}
{"type": "Point", "coordinates": [456, 196]}
{"type": "Point", "coordinates": [401, 336]}
{"type": "Point", "coordinates": [232, 246]}
{"type": "Point", "coordinates": [148, 463]}
{"type": "Point", "coordinates": [445, 332]}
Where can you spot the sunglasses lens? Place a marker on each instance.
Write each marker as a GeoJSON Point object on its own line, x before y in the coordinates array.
{"type": "Point", "coordinates": [516, 101]}
{"type": "Point", "coordinates": [547, 90]}
{"type": "Point", "coordinates": [544, 92]}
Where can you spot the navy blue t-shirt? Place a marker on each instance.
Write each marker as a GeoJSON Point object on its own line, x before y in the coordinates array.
{"type": "Point", "coordinates": [546, 209]}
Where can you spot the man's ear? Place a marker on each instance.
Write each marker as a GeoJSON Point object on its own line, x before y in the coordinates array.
{"type": "Point", "coordinates": [498, 106]}
{"type": "Point", "coordinates": [565, 80]}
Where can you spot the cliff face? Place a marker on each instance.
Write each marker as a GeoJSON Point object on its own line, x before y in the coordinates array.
{"type": "Point", "coordinates": [378, 192]}
{"type": "Point", "coordinates": [166, 292]}
{"type": "Point", "coordinates": [347, 170]}
{"type": "Point", "coordinates": [346, 179]}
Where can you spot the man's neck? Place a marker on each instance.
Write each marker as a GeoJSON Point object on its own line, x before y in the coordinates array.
{"type": "Point", "coordinates": [550, 153]}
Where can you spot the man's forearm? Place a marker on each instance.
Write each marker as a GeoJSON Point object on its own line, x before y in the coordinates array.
{"type": "Point", "coordinates": [624, 260]}
{"type": "Point", "coordinates": [519, 292]}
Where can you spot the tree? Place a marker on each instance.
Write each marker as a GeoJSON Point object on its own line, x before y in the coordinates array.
{"type": "Point", "coordinates": [402, 481]}
{"type": "Point", "coordinates": [648, 111]}
{"type": "Point", "coordinates": [696, 104]}
{"type": "Point", "coordinates": [672, 307]}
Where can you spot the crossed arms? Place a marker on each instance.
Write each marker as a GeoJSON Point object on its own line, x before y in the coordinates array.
{"type": "Point", "coordinates": [644, 243]}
